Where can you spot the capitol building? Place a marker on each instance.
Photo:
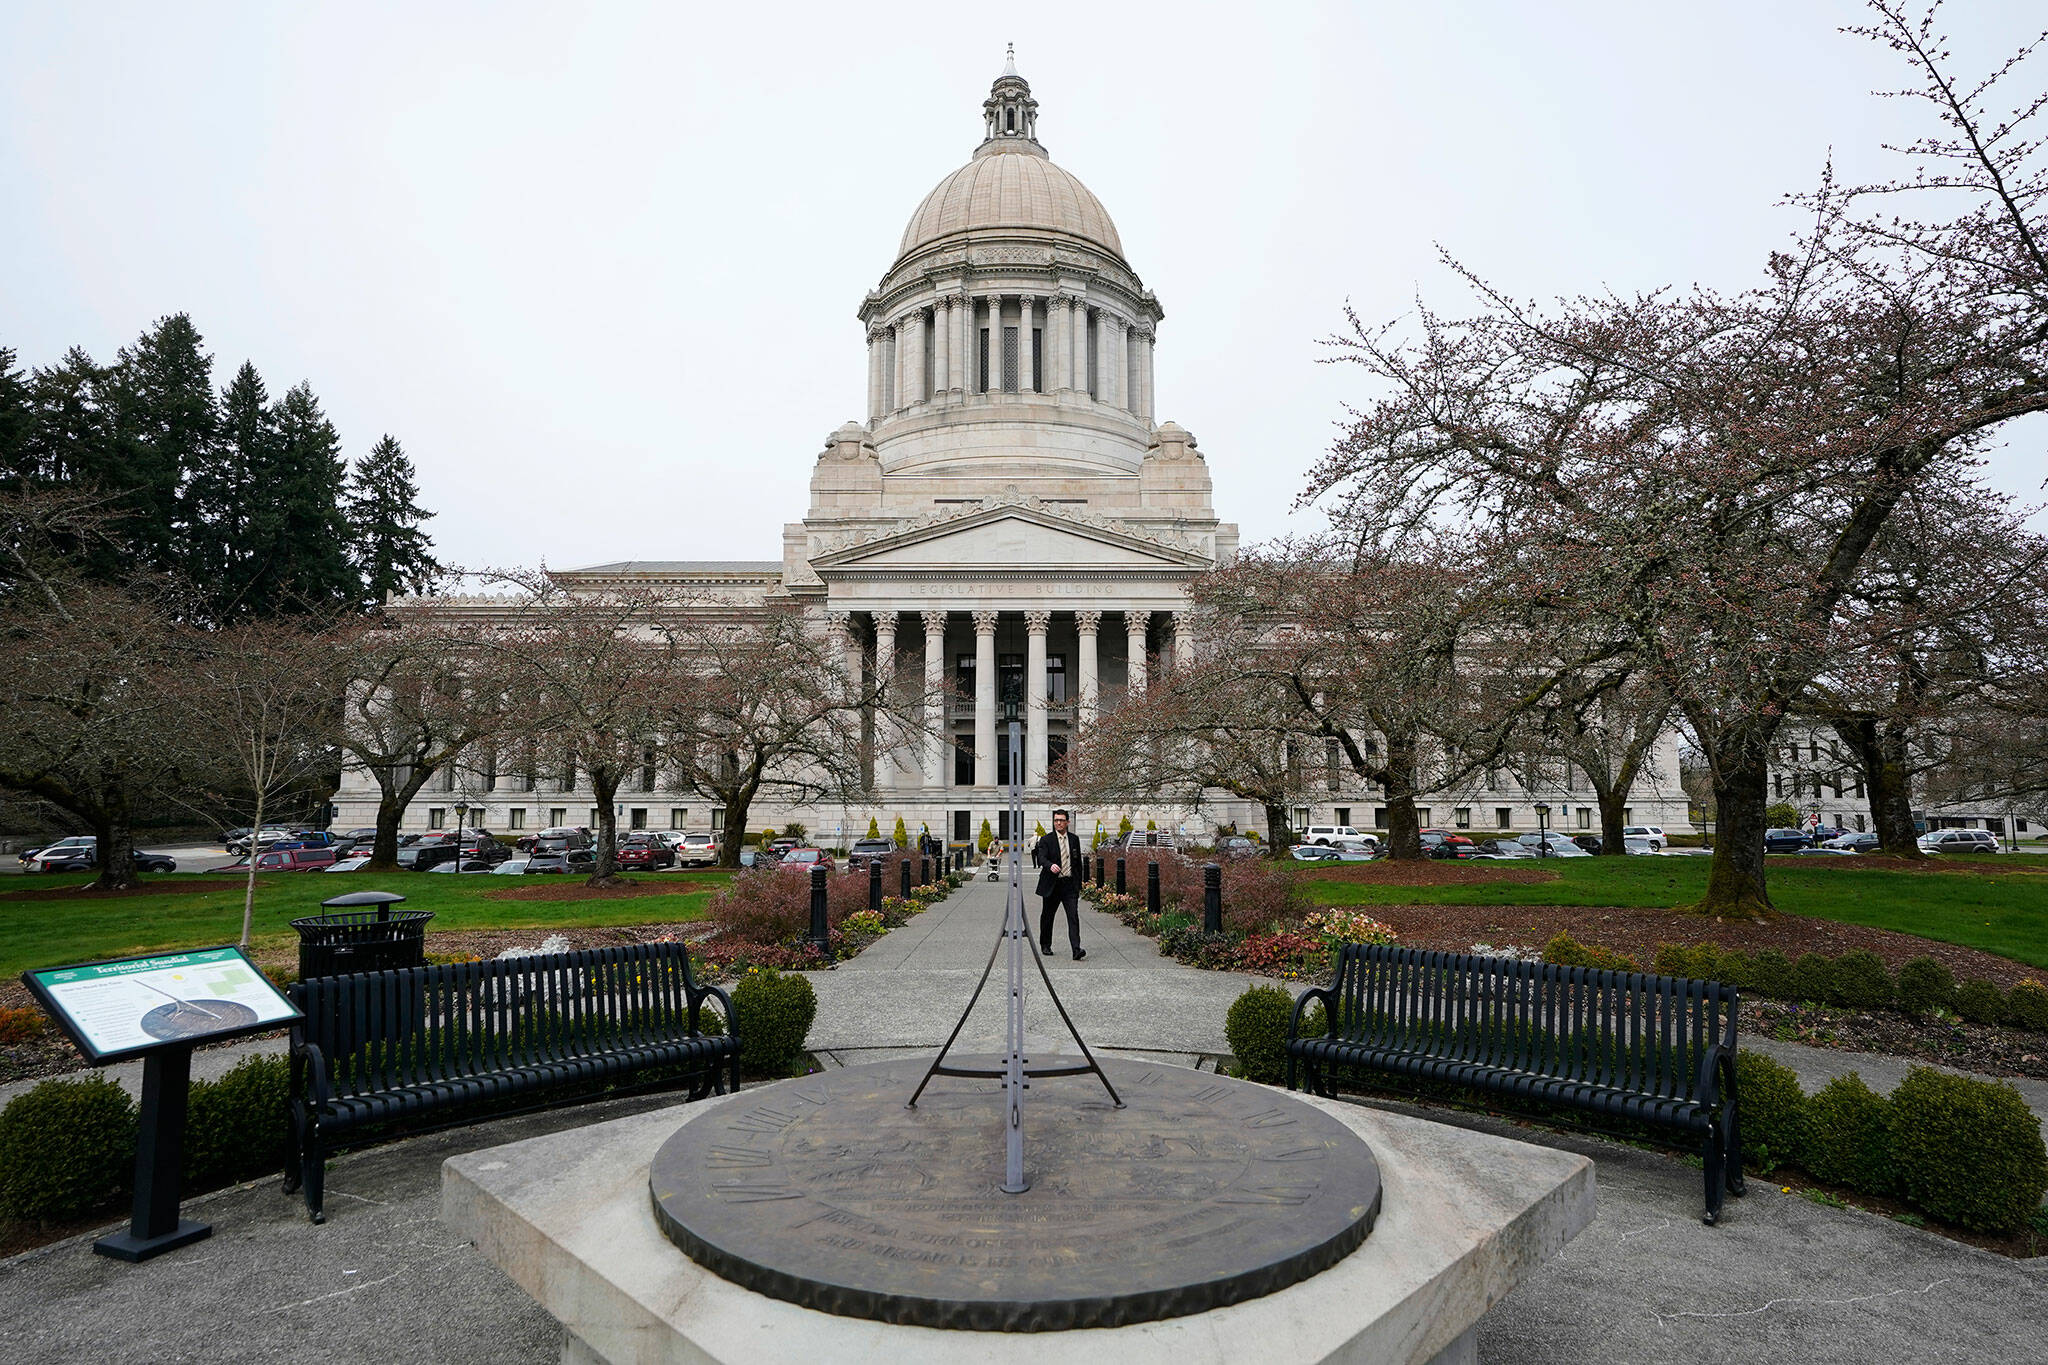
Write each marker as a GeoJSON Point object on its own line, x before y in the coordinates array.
{"type": "Point", "coordinates": [1011, 509]}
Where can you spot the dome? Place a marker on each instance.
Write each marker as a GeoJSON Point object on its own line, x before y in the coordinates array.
{"type": "Point", "coordinates": [1013, 187]}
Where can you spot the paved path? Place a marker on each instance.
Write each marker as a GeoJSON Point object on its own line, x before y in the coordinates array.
{"type": "Point", "coordinates": [907, 990]}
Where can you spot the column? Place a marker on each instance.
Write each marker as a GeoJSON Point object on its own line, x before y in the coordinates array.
{"type": "Point", "coordinates": [1115, 334]}
{"type": "Point", "coordinates": [877, 389]}
{"type": "Point", "coordinates": [1079, 358]}
{"type": "Point", "coordinates": [962, 313]}
{"type": "Point", "coordinates": [1105, 389]}
{"type": "Point", "coordinates": [1183, 639]}
{"type": "Point", "coordinates": [842, 623]}
{"type": "Point", "coordinates": [1134, 646]}
{"type": "Point", "coordinates": [942, 346]}
{"type": "Point", "coordinates": [936, 728]}
{"type": "Point", "coordinates": [919, 389]}
{"type": "Point", "coordinates": [1087, 623]}
{"type": "Point", "coordinates": [1027, 350]}
{"type": "Point", "coordinates": [1146, 336]}
{"type": "Point", "coordinates": [995, 343]}
{"type": "Point", "coordinates": [1035, 625]}
{"type": "Point", "coordinates": [901, 394]}
{"type": "Point", "coordinates": [985, 699]}
{"type": "Point", "coordinates": [885, 674]}
{"type": "Point", "coordinates": [1057, 334]}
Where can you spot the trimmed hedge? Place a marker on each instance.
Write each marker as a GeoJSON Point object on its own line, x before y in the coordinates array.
{"type": "Point", "coordinates": [1849, 1136]}
{"type": "Point", "coordinates": [773, 1017]}
{"type": "Point", "coordinates": [1257, 1029]}
{"type": "Point", "coordinates": [1772, 1110]}
{"type": "Point", "coordinates": [67, 1149]}
{"type": "Point", "coordinates": [1968, 1152]}
{"type": "Point", "coordinates": [238, 1127]}
{"type": "Point", "coordinates": [1926, 985]}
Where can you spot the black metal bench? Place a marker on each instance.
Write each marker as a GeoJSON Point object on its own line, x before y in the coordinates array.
{"type": "Point", "coordinates": [398, 1046]}
{"type": "Point", "coordinates": [1656, 1049]}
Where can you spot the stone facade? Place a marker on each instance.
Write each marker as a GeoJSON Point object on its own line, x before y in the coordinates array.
{"type": "Point", "coordinates": [1010, 509]}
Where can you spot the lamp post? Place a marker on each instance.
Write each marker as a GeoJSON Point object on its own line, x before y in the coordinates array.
{"type": "Point", "coordinates": [1542, 830]}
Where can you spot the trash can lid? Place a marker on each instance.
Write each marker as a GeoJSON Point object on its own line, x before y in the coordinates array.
{"type": "Point", "coordinates": [363, 898]}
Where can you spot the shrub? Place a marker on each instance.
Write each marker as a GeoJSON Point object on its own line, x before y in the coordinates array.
{"type": "Point", "coordinates": [864, 922]}
{"type": "Point", "coordinates": [1980, 1002]}
{"type": "Point", "coordinates": [1925, 985]}
{"type": "Point", "coordinates": [1734, 969]}
{"type": "Point", "coordinates": [1969, 1152]}
{"type": "Point", "coordinates": [1565, 951]}
{"type": "Point", "coordinates": [1347, 926]}
{"type": "Point", "coordinates": [21, 1025]}
{"type": "Point", "coordinates": [767, 905]}
{"type": "Point", "coordinates": [2026, 1006]}
{"type": "Point", "coordinates": [1772, 973]}
{"type": "Point", "coordinates": [1862, 981]}
{"type": "Point", "coordinates": [774, 1014]}
{"type": "Point", "coordinates": [1771, 1111]}
{"type": "Point", "coordinates": [237, 1127]}
{"type": "Point", "coordinates": [1813, 978]}
{"type": "Point", "coordinates": [1257, 1029]}
{"type": "Point", "coordinates": [1849, 1137]}
{"type": "Point", "coordinates": [67, 1149]}
{"type": "Point", "coordinates": [1678, 959]}
{"type": "Point", "coordinates": [1288, 956]}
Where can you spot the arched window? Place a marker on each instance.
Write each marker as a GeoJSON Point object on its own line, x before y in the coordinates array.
{"type": "Point", "coordinates": [1013, 120]}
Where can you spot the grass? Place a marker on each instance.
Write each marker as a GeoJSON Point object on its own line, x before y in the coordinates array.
{"type": "Point", "coordinates": [2007, 915]}
{"type": "Point", "coordinates": [48, 933]}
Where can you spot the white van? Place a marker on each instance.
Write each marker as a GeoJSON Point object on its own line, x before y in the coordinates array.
{"type": "Point", "coordinates": [1337, 836]}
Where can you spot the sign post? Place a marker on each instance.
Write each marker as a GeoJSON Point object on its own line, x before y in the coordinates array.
{"type": "Point", "coordinates": [158, 1008]}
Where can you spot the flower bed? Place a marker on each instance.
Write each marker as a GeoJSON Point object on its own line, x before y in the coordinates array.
{"type": "Point", "coordinates": [762, 920]}
{"type": "Point", "coordinates": [1267, 925]}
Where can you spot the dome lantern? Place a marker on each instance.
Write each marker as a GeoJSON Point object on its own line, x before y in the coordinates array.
{"type": "Point", "coordinates": [1009, 114]}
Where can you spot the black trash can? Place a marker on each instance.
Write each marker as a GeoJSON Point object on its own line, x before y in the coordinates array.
{"type": "Point", "coordinates": [362, 933]}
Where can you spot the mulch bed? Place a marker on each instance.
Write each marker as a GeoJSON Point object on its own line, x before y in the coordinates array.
{"type": "Point", "coordinates": [568, 889]}
{"type": "Point", "coordinates": [151, 888]}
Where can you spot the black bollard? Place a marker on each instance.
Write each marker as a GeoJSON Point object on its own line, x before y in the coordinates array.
{"type": "Point", "coordinates": [821, 933]}
{"type": "Point", "coordinates": [1120, 876]}
{"type": "Point", "coordinates": [924, 870]}
{"type": "Point", "coordinates": [1098, 872]}
{"type": "Point", "coordinates": [906, 879]}
{"type": "Point", "coordinates": [1212, 899]}
{"type": "Point", "coordinates": [875, 886]}
{"type": "Point", "coordinates": [1151, 888]}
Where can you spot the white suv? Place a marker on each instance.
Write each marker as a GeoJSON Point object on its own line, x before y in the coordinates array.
{"type": "Point", "coordinates": [1959, 841]}
{"type": "Point", "coordinates": [1337, 836]}
{"type": "Point", "coordinates": [697, 850]}
{"type": "Point", "coordinates": [1650, 832]}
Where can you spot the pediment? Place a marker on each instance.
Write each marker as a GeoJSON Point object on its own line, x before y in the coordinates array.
{"type": "Point", "coordinates": [1010, 537]}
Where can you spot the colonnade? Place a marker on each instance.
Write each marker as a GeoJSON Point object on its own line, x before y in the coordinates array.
{"type": "Point", "coordinates": [935, 744]}
{"type": "Point", "coordinates": [1062, 344]}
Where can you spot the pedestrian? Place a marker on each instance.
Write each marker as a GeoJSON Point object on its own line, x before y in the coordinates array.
{"type": "Point", "coordinates": [1058, 856]}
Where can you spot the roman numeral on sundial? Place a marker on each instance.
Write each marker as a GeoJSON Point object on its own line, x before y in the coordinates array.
{"type": "Point", "coordinates": [739, 1192]}
{"type": "Point", "coordinates": [1297, 1154]}
{"type": "Point", "coordinates": [1268, 1118]}
{"type": "Point", "coordinates": [1209, 1094]}
{"type": "Point", "coordinates": [761, 1120]}
{"type": "Point", "coordinates": [725, 1158]}
{"type": "Point", "coordinates": [1270, 1194]}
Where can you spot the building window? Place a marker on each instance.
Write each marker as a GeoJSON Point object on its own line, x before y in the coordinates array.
{"type": "Point", "coordinates": [1330, 766]}
{"type": "Point", "coordinates": [515, 818]}
{"type": "Point", "coordinates": [1009, 674]}
{"type": "Point", "coordinates": [1777, 784]}
{"type": "Point", "coordinates": [981, 362]}
{"type": "Point", "coordinates": [1585, 817]}
{"type": "Point", "coordinates": [647, 770]}
{"type": "Point", "coordinates": [593, 817]}
{"type": "Point", "coordinates": [1009, 360]}
{"type": "Point", "coordinates": [963, 669]}
{"type": "Point", "coordinates": [717, 819]}
{"type": "Point", "coordinates": [1462, 817]}
{"type": "Point", "coordinates": [1055, 755]}
{"type": "Point", "coordinates": [437, 818]}
{"type": "Point", "coordinates": [491, 769]}
{"type": "Point", "coordinates": [1056, 677]}
{"type": "Point", "coordinates": [447, 776]}
{"type": "Point", "coordinates": [1422, 816]}
{"type": "Point", "coordinates": [1038, 360]}
{"type": "Point", "coordinates": [1094, 334]}
{"type": "Point", "coordinates": [1859, 825]}
{"type": "Point", "coordinates": [963, 761]}
{"type": "Point", "coordinates": [962, 832]}
{"type": "Point", "coordinates": [640, 817]}
{"type": "Point", "coordinates": [1343, 816]}
{"type": "Point", "coordinates": [1504, 817]}
{"type": "Point", "coordinates": [557, 817]}
{"type": "Point", "coordinates": [1628, 815]}
{"type": "Point", "coordinates": [568, 783]}
{"type": "Point", "coordinates": [1379, 817]}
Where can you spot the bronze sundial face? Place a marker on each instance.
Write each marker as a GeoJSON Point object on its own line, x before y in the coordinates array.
{"type": "Point", "coordinates": [1202, 1191]}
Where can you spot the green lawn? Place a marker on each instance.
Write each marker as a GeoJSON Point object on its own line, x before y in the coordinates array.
{"type": "Point", "coordinates": [47, 933]}
{"type": "Point", "coordinates": [2007, 915]}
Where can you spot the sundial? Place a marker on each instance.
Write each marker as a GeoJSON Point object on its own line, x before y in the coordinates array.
{"type": "Point", "coordinates": [1201, 1191]}
{"type": "Point", "coordinates": [905, 1194]}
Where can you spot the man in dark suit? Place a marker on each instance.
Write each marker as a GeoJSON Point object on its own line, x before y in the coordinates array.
{"type": "Point", "coordinates": [1058, 856]}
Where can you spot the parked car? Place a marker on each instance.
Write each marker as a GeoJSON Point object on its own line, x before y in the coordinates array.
{"type": "Point", "coordinates": [287, 860]}
{"type": "Point", "coordinates": [1336, 834]}
{"type": "Point", "coordinates": [1314, 853]}
{"type": "Point", "coordinates": [644, 850]}
{"type": "Point", "coordinates": [1551, 845]}
{"type": "Point", "coordinates": [267, 837]}
{"type": "Point", "coordinates": [308, 838]}
{"type": "Point", "coordinates": [781, 846]}
{"type": "Point", "coordinates": [757, 857]}
{"type": "Point", "coordinates": [697, 850]}
{"type": "Point", "coordinates": [556, 839]}
{"type": "Point", "coordinates": [428, 856]}
{"type": "Point", "coordinates": [560, 860]}
{"type": "Point", "coordinates": [1443, 843]}
{"type": "Point", "coordinates": [1862, 841]}
{"type": "Point", "coordinates": [1150, 838]}
{"type": "Point", "coordinates": [865, 851]}
{"type": "Point", "coordinates": [349, 864]}
{"type": "Point", "coordinates": [1959, 841]}
{"type": "Point", "coordinates": [81, 854]}
{"type": "Point", "coordinates": [1654, 833]}
{"type": "Point", "coordinates": [1237, 846]}
{"type": "Point", "coordinates": [804, 858]}
{"type": "Point", "coordinates": [30, 857]}
{"type": "Point", "coordinates": [465, 865]}
{"type": "Point", "coordinates": [511, 867]}
{"type": "Point", "coordinates": [1785, 840]}
{"type": "Point", "coordinates": [1498, 850]}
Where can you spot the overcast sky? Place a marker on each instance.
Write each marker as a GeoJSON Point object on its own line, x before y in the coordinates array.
{"type": "Point", "coordinates": [598, 267]}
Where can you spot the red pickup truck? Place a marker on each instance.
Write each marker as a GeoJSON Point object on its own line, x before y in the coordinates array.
{"type": "Point", "coordinates": [290, 860]}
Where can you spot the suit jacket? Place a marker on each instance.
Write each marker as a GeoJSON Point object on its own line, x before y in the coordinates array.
{"type": "Point", "coordinates": [1047, 853]}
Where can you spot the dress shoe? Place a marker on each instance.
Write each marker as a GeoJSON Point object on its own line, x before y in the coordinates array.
{"type": "Point", "coordinates": [1080, 953]}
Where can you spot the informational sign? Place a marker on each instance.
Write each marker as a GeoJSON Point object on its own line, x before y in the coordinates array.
{"type": "Point", "coordinates": [135, 1005]}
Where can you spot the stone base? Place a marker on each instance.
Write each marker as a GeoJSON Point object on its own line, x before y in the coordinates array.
{"type": "Point", "coordinates": [1464, 1218]}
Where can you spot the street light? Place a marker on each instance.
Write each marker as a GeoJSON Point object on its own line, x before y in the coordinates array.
{"type": "Point", "coordinates": [1542, 830]}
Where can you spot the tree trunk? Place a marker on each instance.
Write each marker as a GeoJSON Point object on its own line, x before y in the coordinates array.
{"type": "Point", "coordinates": [604, 785]}
{"type": "Point", "coordinates": [249, 882]}
{"type": "Point", "coordinates": [392, 803]}
{"type": "Point", "coordinates": [114, 847]}
{"type": "Point", "coordinates": [1611, 799]}
{"type": "Point", "coordinates": [1279, 829]}
{"type": "Point", "coordinates": [1881, 751]}
{"type": "Point", "coordinates": [1404, 829]}
{"type": "Point", "coordinates": [1735, 880]}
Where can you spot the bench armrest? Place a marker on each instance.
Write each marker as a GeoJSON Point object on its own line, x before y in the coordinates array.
{"type": "Point", "coordinates": [1326, 994]}
{"type": "Point", "coordinates": [1707, 1085]}
{"type": "Point", "coordinates": [317, 1089]}
{"type": "Point", "coordinates": [697, 999]}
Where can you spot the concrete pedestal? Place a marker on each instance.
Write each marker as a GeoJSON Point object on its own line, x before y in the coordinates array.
{"type": "Point", "coordinates": [1464, 1218]}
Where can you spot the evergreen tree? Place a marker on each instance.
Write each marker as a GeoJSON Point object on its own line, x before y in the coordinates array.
{"type": "Point", "coordinates": [298, 530]}
{"type": "Point", "coordinates": [164, 419]}
{"type": "Point", "coordinates": [17, 422]}
{"type": "Point", "coordinates": [72, 431]}
{"type": "Point", "coordinates": [392, 553]}
{"type": "Point", "coordinates": [224, 494]}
